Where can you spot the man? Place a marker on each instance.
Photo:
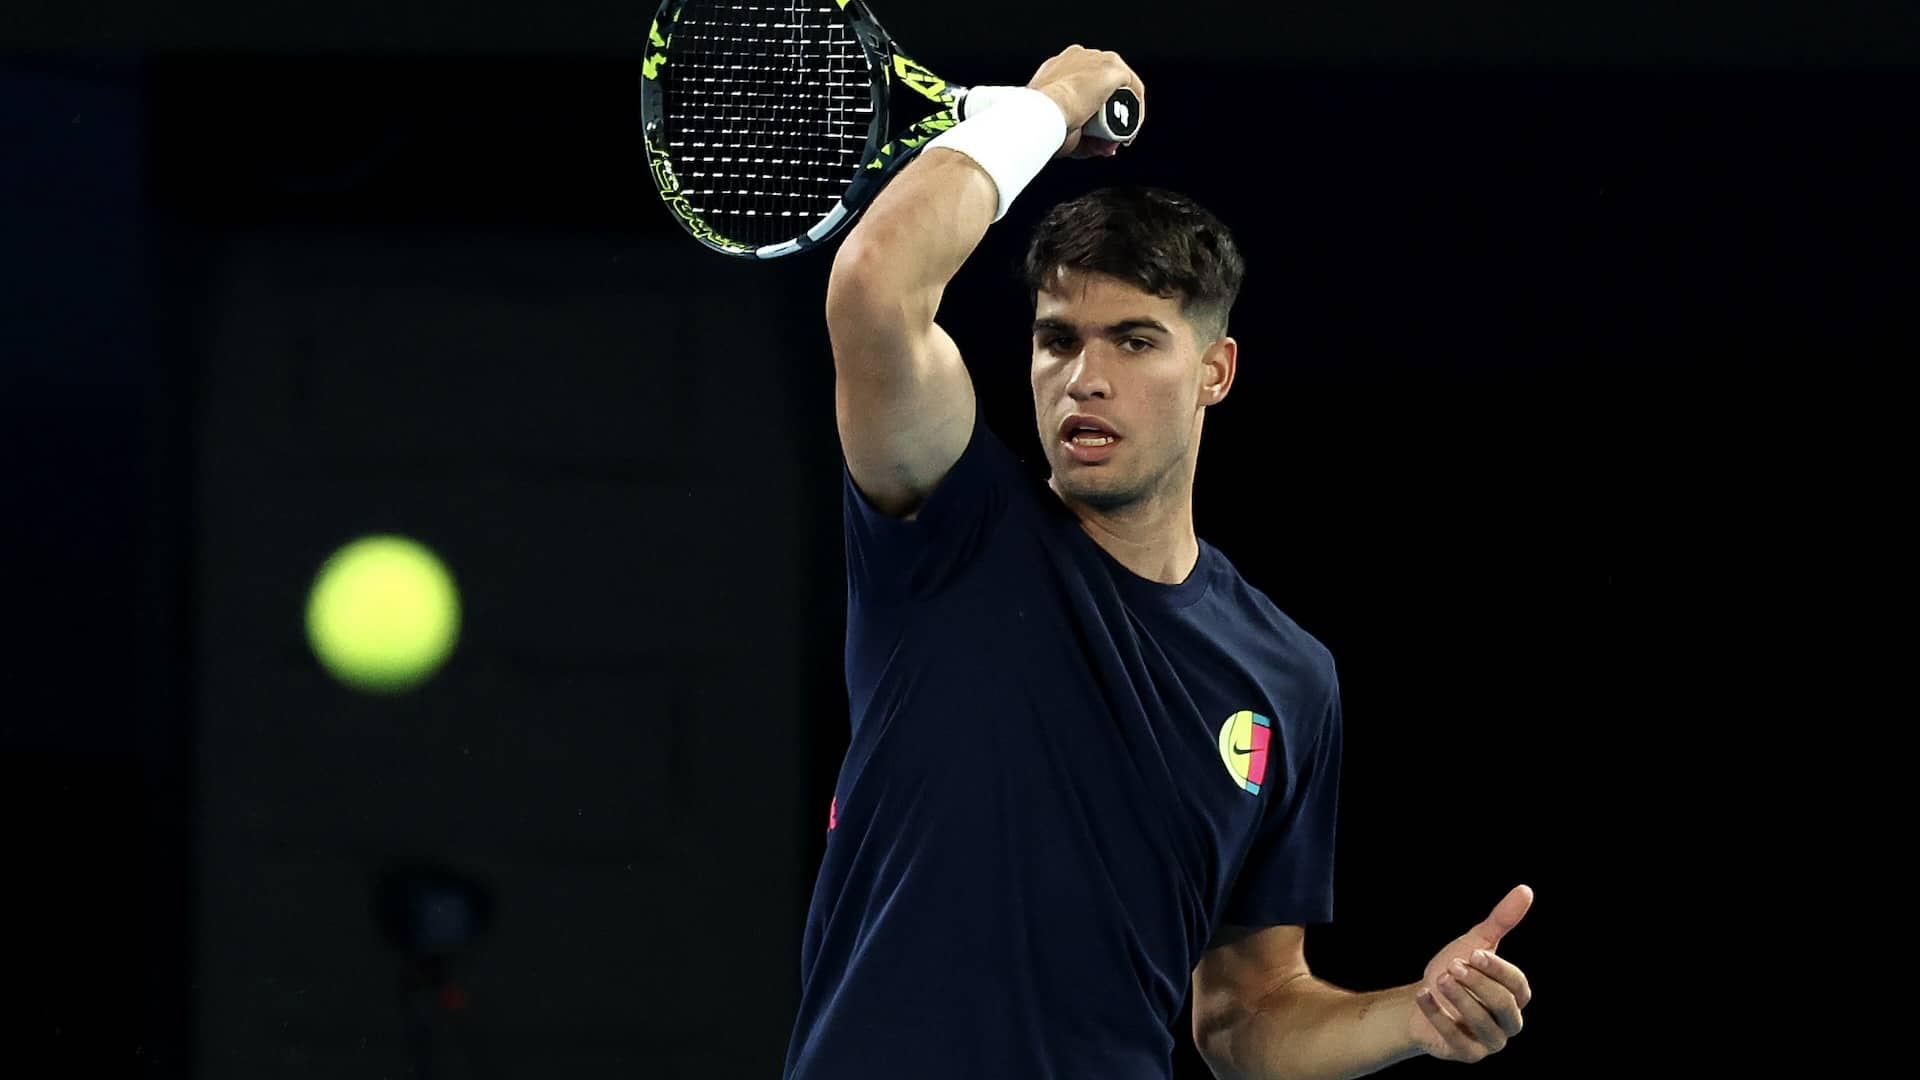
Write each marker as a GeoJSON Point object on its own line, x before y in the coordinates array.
{"type": "Point", "coordinates": [1089, 762]}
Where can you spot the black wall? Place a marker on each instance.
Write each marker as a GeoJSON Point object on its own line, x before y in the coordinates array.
{"type": "Point", "coordinates": [1719, 33]}
{"type": "Point", "coordinates": [1522, 347]}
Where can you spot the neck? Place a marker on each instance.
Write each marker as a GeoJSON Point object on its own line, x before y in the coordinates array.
{"type": "Point", "coordinates": [1153, 538]}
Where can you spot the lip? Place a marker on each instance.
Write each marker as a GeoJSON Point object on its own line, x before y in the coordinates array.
{"type": "Point", "coordinates": [1080, 420]}
{"type": "Point", "coordinates": [1088, 455]}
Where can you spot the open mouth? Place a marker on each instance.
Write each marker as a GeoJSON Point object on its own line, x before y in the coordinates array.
{"type": "Point", "coordinates": [1089, 439]}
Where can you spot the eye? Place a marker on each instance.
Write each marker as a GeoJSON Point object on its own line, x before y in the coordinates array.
{"type": "Point", "coordinates": [1136, 344]}
{"type": "Point", "coordinates": [1056, 343]}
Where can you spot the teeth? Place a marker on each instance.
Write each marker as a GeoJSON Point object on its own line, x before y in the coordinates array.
{"type": "Point", "coordinates": [1083, 439]}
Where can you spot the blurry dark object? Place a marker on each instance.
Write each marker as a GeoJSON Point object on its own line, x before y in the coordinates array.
{"type": "Point", "coordinates": [433, 916]}
{"type": "Point", "coordinates": [433, 912]}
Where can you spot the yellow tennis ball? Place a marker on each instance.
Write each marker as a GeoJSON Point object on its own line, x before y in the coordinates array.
{"type": "Point", "coordinates": [383, 614]}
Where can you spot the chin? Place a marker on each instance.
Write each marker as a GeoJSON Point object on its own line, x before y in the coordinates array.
{"type": "Point", "coordinates": [1095, 491]}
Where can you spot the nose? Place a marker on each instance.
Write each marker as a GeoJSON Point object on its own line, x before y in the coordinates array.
{"type": "Point", "coordinates": [1087, 378]}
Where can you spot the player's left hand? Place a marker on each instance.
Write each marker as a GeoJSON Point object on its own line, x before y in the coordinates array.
{"type": "Point", "coordinates": [1470, 999]}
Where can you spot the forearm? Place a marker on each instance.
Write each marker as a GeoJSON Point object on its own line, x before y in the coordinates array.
{"type": "Point", "coordinates": [1313, 1030]}
{"type": "Point", "coordinates": [890, 273]}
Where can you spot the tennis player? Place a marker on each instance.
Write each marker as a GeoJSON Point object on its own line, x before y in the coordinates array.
{"type": "Point", "coordinates": [1092, 769]}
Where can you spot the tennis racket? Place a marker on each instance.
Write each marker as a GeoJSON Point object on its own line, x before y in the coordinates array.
{"type": "Point", "coordinates": [770, 124]}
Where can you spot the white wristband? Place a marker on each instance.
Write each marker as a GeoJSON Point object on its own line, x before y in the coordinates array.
{"type": "Point", "coordinates": [1012, 139]}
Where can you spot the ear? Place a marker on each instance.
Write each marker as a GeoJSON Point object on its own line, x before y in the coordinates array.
{"type": "Point", "coordinates": [1217, 366]}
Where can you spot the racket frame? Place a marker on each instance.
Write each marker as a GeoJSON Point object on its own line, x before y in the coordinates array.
{"type": "Point", "coordinates": [889, 71]}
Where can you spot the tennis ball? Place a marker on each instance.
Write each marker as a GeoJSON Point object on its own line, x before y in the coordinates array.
{"type": "Point", "coordinates": [383, 614]}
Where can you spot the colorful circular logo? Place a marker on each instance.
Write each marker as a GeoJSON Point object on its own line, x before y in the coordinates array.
{"type": "Point", "coordinates": [1243, 747]}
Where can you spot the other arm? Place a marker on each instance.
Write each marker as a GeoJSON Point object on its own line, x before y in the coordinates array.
{"type": "Point", "coordinates": [1258, 1013]}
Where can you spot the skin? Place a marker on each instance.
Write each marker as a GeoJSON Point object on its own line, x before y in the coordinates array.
{"type": "Point", "coordinates": [1260, 1014]}
{"type": "Point", "coordinates": [1104, 347]}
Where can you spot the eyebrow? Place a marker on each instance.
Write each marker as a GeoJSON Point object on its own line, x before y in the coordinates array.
{"type": "Point", "coordinates": [1124, 326]}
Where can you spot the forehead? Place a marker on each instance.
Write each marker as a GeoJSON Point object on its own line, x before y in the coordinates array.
{"type": "Point", "coordinates": [1080, 296]}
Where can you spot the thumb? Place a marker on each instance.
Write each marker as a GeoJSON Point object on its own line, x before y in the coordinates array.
{"type": "Point", "coordinates": [1506, 915]}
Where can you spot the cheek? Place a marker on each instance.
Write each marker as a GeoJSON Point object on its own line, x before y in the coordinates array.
{"type": "Point", "coordinates": [1172, 400]}
{"type": "Point", "coordinates": [1043, 375]}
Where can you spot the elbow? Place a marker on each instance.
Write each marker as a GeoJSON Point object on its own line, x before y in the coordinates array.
{"type": "Point", "coordinates": [1242, 1036]}
{"type": "Point", "coordinates": [867, 279]}
{"type": "Point", "coordinates": [850, 288]}
{"type": "Point", "coordinates": [870, 312]}
{"type": "Point", "coordinates": [1213, 1038]}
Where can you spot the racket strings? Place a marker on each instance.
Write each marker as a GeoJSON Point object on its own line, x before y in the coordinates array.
{"type": "Point", "coordinates": [768, 109]}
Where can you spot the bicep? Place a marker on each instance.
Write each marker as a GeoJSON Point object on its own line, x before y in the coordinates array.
{"type": "Point", "coordinates": [1240, 969]}
{"type": "Point", "coordinates": [905, 409]}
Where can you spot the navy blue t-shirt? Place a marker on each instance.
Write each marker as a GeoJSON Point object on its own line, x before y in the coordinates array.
{"type": "Point", "coordinates": [1062, 779]}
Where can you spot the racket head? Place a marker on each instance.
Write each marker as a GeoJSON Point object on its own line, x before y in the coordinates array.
{"type": "Point", "coordinates": [767, 121]}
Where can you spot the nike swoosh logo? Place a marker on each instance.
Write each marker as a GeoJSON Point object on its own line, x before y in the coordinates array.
{"type": "Point", "coordinates": [1248, 750]}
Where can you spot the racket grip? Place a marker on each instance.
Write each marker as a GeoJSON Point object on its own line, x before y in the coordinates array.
{"type": "Point", "coordinates": [1117, 121]}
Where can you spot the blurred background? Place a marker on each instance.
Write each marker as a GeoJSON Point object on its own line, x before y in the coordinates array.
{"type": "Point", "coordinates": [1539, 308]}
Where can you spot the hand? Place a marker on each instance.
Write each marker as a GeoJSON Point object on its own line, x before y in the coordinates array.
{"type": "Point", "coordinates": [1470, 999]}
{"type": "Point", "coordinates": [1080, 81]}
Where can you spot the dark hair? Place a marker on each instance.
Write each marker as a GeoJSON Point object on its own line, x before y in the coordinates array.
{"type": "Point", "coordinates": [1160, 240]}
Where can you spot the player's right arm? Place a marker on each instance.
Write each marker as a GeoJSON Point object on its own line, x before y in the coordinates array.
{"type": "Point", "coordinates": [902, 396]}
{"type": "Point", "coordinates": [901, 393]}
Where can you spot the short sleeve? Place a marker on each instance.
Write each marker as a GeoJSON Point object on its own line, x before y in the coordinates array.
{"type": "Point", "coordinates": [893, 560]}
{"type": "Point", "coordinates": [1287, 878]}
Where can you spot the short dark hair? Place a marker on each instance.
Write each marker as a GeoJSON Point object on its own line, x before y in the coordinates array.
{"type": "Point", "coordinates": [1162, 241]}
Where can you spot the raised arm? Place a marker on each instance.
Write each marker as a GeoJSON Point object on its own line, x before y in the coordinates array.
{"type": "Point", "coordinates": [902, 396]}
{"type": "Point", "coordinates": [901, 393]}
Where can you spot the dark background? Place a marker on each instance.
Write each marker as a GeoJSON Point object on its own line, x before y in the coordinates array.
{"type": "Point", "coordinates": [1543, 318]}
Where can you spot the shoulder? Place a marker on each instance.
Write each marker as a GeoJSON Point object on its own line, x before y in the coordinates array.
{"type": "Point", "coordinates": [990, 469]}
{"type": "Point", "coordinates": [1284, 642]}
{"type": "Point", "coordinates": [948, 538]}
{"type": "Point", "coordinates": [986, 472]}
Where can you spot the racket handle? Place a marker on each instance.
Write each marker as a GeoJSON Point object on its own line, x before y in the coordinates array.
{"type": "Point", "coordinates": [1117, 121]}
